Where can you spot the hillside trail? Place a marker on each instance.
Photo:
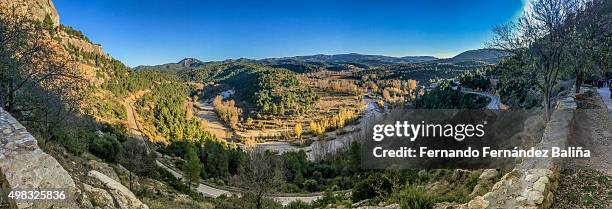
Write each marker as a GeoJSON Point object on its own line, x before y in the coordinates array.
{"type": "Point", "coordinates": [132, 120]}
{"type": "Point", "coordinates": [593, 130]}
{"type": "Point", "coordinates": [128, 102]}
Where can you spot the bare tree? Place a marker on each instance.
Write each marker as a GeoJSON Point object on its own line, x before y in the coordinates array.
{"type": "Point", "coordinates": [39, 83]}
{"type": "Point", "coordinates": [538, 38]}
{"type": "Point", "coordinates": [136, 158]}
{"type": "Point", "coordinates": [28, 56]}
{"type": "Point", "coordinates": [261, 175]}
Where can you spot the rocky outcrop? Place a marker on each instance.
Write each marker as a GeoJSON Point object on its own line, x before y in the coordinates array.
{"type": "Point", "coordinates": [80, 43]}
{"type": "Point", "coordinates": [99, 198]}
{"type": "Point", "coordinates": [104, 169]}
{"type": "Point", "coordinates": [71, 41]}
{"type": "Point", "coordinates": [23, 165]}
{"type": "Point", "coordinates": [37, 9]}
{"type": "Point", "coordinates": [122, 196]}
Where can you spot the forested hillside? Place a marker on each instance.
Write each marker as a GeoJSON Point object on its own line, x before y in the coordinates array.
{"type": "Point", "coordinates": [264, 89]}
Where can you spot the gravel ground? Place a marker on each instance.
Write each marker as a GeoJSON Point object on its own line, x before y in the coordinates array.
{"type": "Point", "coordinates": [583, 188]}
{"type": "Point", "coordinates": [587, 182]}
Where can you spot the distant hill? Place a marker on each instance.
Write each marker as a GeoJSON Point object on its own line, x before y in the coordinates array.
{"type": "Point", "coordinates": [337, 62]}
{"type": "Point", "coordinates": [187, 63]}
{"type": "Point", "coordinates": [372, 60]}
{"type": "Point", "coordinates": [491, 56]}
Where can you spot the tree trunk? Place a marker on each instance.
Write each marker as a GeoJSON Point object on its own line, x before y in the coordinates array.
{"type": "Point", "coordinates": [547, 106]}
{"type": "Point", "coordinates": [258, 204]}
{"type": "Point", "coordinates": [10, 107]}
{"type": "Point", "coordinates": [579, 79]}
{"type": "Point", "coordinates": [130, 180]}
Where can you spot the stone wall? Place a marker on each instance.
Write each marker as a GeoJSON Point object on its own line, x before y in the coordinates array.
{"type": "Point", "coordinates": [532, 183]}
{"type": "Point", "coordinates": [23, 165]}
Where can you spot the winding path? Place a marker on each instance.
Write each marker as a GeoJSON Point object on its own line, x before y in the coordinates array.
{"type": "Point", "coordinates": [493, 104]}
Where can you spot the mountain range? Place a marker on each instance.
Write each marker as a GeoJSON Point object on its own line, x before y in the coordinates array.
{"type": "Point", "coordinates": [478, 56]}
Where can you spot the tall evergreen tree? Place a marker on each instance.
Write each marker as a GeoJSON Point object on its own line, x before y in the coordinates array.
{"type": "Point", "coordinates": [192, 167]}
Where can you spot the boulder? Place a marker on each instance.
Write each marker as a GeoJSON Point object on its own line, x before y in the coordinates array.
{"type": "Point", "coordinates": [479, 189]}
{"type": "Point", "coordinates": [487, 175]}
{"type": "Point", "coordinates": [535, 197]}
{"type": "Point", "coordinates": [99, 198]}
{"type": "Point", "coordinates": [105, 169]}
{"type": "Point", "coordinates": [540, 184]}
{"type": "Point", "coordinates": [478, 203]}
{"type": "Point", "coordinates": [124, 198]}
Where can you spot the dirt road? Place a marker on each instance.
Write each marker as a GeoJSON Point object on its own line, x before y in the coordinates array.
{"type": "Point", "coordinates": [593, 130]}
{"type": "Point", "coordinates": [587, 182]}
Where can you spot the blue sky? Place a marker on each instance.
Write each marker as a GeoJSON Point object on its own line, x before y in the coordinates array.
{"type": "Point", "coordinates": [150, 32]}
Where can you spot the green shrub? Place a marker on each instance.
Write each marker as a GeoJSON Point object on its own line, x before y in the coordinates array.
{"type": "Point", "coordinates": [76, 144]}
{"type": "Point", "coordinates": [298, 205]}
{"type": "Point", "coordinates": [292, 188]}
{"type": "Point", "coordinates": [413, 197]}
{"type": "Point", "coordinates": [375, 186]}
{"type": "Point", "coordinates": [245, 202]}
{"type": "Point", "coordinates": [216, 181]}
{"type": "Point", "coordinates": [472, 181]}
{"type": "Point", "coordinates": [107, 148]}
{"type": "Point", "coordinates": [311, 185]}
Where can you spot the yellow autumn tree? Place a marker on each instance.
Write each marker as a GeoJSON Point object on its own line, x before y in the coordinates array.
{"type": "Point", "coordinates": [298, 131]}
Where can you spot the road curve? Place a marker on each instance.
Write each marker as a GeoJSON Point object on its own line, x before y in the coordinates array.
{"type": "Point", "coordinates": [493, 104]}
{"type": "Point", "coordinates": [209, 191]}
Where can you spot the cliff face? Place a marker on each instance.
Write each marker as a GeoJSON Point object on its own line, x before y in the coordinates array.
{"type": "Point", "coordinates": [38, 9]}
{"type": "Point", "coordinates": [72, 41]}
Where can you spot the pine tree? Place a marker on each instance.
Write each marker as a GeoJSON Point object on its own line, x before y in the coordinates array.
{"type": "Point", "coordinates": [192, 167]}
{"type": "Point", "coordinates": [355, 156]}
{"type": "Point", "coordinates": [48, 23]}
